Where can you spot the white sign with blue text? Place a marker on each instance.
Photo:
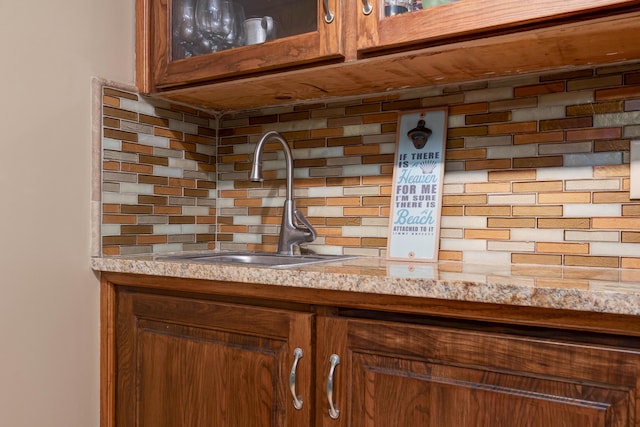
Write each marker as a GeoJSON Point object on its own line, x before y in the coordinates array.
{"type": "Point", "coordinates": [416, 200]}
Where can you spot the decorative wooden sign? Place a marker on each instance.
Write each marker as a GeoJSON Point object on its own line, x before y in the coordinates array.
{"type": "Point", "coordinates": [416, 201]}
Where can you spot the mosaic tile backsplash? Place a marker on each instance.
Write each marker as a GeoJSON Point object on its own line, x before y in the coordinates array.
{"type": "Point", "coordinates": [536, 172]}
{"type": "Point", "coordinates": [158, 176]}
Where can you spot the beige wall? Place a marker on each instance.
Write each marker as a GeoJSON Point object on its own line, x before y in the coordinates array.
{"type": "Point", "coordinates": [49, 299]}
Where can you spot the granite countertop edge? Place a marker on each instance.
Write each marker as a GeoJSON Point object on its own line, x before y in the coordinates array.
{"type": "Point", "coordinates": [599, 290]}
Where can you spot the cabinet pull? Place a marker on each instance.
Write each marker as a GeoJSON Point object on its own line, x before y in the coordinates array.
{"type": "Point", "coordinates": [367, 9]}
{"type": "Point", "coordinates": [297, 402]}
{"type": "Point", "coordinates": [328, 17]}
{"type": "Point", "coordinates": [334, 413]}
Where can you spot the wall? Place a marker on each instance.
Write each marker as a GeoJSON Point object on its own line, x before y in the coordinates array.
{"type": "Point", "coordinates": [49, 308]}
{"type": "Point", "coordinates": [537, 172]}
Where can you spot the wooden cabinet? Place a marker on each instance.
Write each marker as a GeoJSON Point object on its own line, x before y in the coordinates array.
{"type": "Point", "coordinates": [395, 374]}
{"type": "Point", "coordinates": [304, 36]}
{"type": "Point", "coordinates": [360, 53]}
{"type": "Point", "coordinates": [187, 354]}
{"type": "Point", "coordinates": [467, 19]}
{"type": "Point", "coordinates": [188, 362]}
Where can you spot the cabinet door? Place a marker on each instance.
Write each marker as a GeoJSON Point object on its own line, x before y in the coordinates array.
{"type": "Point", "coordinates": [392, 374]}
{"type": "Point", "coordinates": [180, 42]}
{"type": "Point", "coordinates": [185, 362]}
{"type": "Point", "coordinates": [431, 22]}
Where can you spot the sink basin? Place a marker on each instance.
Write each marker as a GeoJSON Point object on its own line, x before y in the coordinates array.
{"type": "Point", "coordinates": [262, 259]}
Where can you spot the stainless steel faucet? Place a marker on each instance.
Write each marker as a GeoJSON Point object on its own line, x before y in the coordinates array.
{"type": "Point", "coordinates": [291, 234]}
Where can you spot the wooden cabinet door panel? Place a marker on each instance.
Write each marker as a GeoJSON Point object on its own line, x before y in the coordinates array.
{"type": "Point", "coordinates": [195, 377]}
{"type": "Point", "coordinates": [408, 393]}
{"type": "Point", "coordinates": [157, 70]}
{"type": "Point", "coordinates": [466, 18]}
{"type": "Point", "coordinates": [184, 362]}
{"type": "Point", "coordinates": [411, 375]}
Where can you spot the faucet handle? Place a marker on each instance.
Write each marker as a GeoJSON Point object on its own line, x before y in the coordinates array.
{"type": "Point", "coordinates": [300, 217]}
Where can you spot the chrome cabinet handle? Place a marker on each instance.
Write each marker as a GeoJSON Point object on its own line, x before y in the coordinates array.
{"type": "Point", "coordinates": [329, 16]}
{"type": "Point", "coordinates": [367, 9]}
{"type": "Point", "coordinates": [297, 402]}
{"type": "Point", "coordinates": [334, 413]}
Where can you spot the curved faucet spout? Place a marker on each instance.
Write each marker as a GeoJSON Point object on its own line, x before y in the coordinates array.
{"type": "Point", "coordinates": [291, 234]}
{"type": "Point", "coordinates": [256, 168]}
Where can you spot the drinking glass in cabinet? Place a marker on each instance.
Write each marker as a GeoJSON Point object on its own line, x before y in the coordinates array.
{"type": "Point", "coordinates": [259, 30]}
{"type": "Point", "coordinates": [220, 23]}
{"type": "Point", "coordinates": [185, 34]}
{"type": "Point", "coordinates": [397, 7]}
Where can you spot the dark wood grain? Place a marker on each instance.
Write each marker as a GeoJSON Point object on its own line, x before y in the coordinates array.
{"type": "Point", "coordinates": [396, 374]}
{"type": "Point", "coordinates": [108, 307]}
{"type": "Point", "coordinates": [184, 362]}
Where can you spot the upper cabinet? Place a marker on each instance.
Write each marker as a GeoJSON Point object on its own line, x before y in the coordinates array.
{"type": "Point", "coordinates": [238, 54]}
{"type": "Point", "coordinates": [396, 23]}
{"type": "Point", "coordinates": [182, 42]}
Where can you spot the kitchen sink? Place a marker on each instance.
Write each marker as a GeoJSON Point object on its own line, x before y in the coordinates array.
{"type": "Point", "coordinates": [260, 259]}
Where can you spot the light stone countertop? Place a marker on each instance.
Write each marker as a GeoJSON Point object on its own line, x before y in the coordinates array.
{"type": "Point", "coordinates": [572, 288]}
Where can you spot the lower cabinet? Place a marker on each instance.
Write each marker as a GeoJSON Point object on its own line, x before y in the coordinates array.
{"type": "Point", "coordinates": [395, 374]}
{"type": "Point", "coordinates": [184, 361]}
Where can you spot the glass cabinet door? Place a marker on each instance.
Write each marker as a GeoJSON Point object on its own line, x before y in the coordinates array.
{"type": "Point", "coordinates": [185, 42]}
{"type": "Point", "coordinates": [385, 25]}
{"type": "Point", "coordinates": [200, 27]}
{"type": "Point", "coordinates": [388, 24]}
